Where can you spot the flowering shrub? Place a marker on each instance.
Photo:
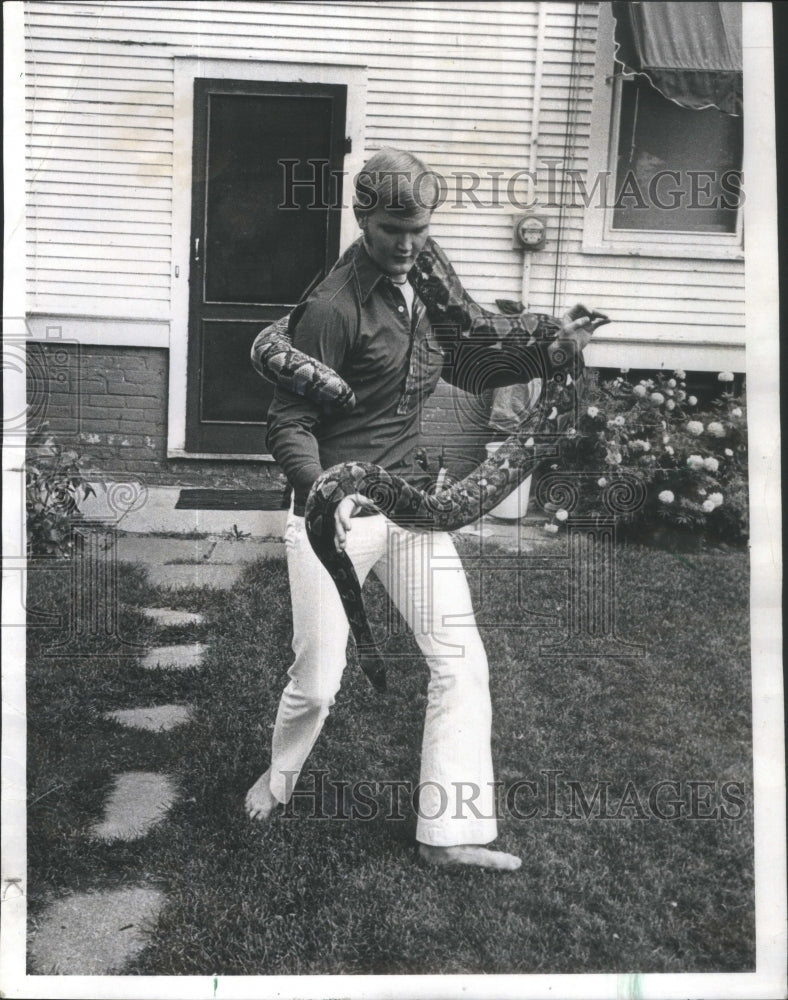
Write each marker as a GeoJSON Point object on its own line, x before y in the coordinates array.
{"type": "Point", "coordinates": [54, 487]}
{"type": "Point", "coordinates": [692, 466]}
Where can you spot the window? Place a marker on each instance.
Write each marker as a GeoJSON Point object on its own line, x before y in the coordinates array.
{"type": "Point", "coordinates": [666, 180]}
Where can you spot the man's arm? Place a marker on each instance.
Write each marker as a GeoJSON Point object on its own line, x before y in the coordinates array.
{"type": "Point", "coordinates": [322, 332]}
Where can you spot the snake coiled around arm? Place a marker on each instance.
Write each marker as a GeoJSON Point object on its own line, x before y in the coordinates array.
{"type": "Point", "coordinates": [485, 350]}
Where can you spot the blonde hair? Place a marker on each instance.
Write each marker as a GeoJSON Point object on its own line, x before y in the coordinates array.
{"type": "Point", "coordinates": [398, 181]}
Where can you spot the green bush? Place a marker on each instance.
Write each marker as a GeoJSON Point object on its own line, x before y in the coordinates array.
{"type": "Point", "coordinates": [54, 488]}
{"type": "Point", "coordinates": [690, 463]}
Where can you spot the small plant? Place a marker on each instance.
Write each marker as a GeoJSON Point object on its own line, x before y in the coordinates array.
{"type": "Point", "coordinates": [54, 488]}
{"type": "Point", "coordinates": [691, 464]}
{"type": "Point", "coordinates": [236, 535]}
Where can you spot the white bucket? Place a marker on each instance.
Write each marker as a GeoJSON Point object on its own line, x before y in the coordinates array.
{"type": "Point", "coordinates": [515, 506]}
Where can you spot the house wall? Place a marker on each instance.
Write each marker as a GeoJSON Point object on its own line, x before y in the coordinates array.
{"type": "Point", "coordinates": [110, 404]}
{"type": "Point", "coordinates": [455, 85]}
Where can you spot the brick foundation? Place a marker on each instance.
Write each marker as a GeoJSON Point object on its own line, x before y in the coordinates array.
{"type": "Point", "coordinates": [110, 404]}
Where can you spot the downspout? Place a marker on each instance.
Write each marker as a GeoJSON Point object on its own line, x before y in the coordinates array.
{"type": "Point", "coordinates": [536, 114]}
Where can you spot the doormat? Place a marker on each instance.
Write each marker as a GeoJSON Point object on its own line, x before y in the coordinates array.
{"type": "Point", "coordinates": [274, 498]}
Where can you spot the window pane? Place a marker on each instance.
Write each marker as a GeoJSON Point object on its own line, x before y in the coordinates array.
{"type": "Point", "coordinates": [677, 170]}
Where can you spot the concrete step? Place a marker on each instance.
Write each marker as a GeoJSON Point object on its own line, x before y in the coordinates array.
{"type": "Point", "coordinates": [138, 801]}
{"type": "Point", "coordinates": [155, 551]}
{"type": "Point", "coordinates": [168, 617]}
{"type": "Point", "coordinates": [94, 933]}
{"type": "Point", "coordinates": [180, 657]}
{"type": "Point", "coordinates": [205, 575]}
{"type": "Point", "coordinates": [139, 508]}
{"type": "Point", "coordinates": [156, 719]}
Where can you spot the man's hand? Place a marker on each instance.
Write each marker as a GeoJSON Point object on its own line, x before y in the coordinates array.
{"type": "Point", "coordinates": [346, 509]}
{"type": "Point", "coordinates": [578, 325]}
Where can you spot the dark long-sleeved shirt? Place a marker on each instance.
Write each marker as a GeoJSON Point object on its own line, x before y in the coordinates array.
{"type": "Point", "coordinates": [358, 323]}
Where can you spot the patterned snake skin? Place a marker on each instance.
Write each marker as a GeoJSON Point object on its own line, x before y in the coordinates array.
{"type": "Point", "coordinates": [487, 349]}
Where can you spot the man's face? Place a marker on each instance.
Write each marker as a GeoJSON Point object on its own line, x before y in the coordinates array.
{"type": "Point", "coordinates": [393, 240]}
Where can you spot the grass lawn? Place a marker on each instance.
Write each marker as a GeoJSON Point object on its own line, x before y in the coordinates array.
{"type": "Point", "coordinates": [636, 891]}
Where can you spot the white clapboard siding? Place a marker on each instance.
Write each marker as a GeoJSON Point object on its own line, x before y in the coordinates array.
{"type": "Point", "coordinates": [454, 83]}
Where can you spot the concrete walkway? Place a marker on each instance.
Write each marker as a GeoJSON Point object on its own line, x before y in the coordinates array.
{"type": "Point", "coordinates": [98, 933]}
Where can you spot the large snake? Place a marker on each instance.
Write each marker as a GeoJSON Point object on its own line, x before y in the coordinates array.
{"type": "Point", "coordinates": [484, 350]}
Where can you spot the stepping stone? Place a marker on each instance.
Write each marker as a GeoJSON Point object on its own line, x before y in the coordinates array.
{"type": "Point", "coordinates": [139, 800]}
{"type": "Point", "coordinates": [168, 616]}
{"type": "Point", "coordinates": [179, 657]}
{"type": "Point", "coordinates": [154, 551]}
{"type": "Point", "coordinates": [178, 577]}
{"type": "Point", "coordinates": [157, 719]}
{"type": "Point", "coordinates": [246, 551]}
{"type": "Point", "coordinates": [94, 934]}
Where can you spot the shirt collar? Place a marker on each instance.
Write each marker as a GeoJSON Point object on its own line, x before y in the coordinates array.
{"type": "Point", "coordinates": [367, 272]}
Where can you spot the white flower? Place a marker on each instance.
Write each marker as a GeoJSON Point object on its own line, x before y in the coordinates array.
{"type": "Point", "coordinates": [623, 370]}
{"type": "Point", "coordinates": [657, 397]}
{"type": "Point", "coordinates": [692, 401]}
{"type": "Point", "coordinates": [695, 427]}
{"type": "Point", "coordinates": [716, 428]}
{"type": "Point", "coordinates": [553, 413]}
{"type": "Point", "coordinates": [716, 499]}
{"type": "Point", "coordinates": [619, 421]}
{"type": "Point", "coordinates": [669, 392]}
{"type": "Point", "coordinates": [530, 443]}
{"type": "Point", "coordinates": [561, 515]}
{"type": "Point", "coordinates": [672, 383]}
{"type": "Point", "coordinates": [639, 390]}
{"type": "Point", "coordinates": [669, 449]}
{"type": "Point", "coordinates": [592, 411]}
{"type": "Point", "coordinates": [640, 445]}
{"type": "Point", "coordinates": [679, 373]}
{"type": "Point", "coordinates": [736, 412]}
{"type": "Point", "coordinates": [670, 405]}
{"type": "Point", "coordinates": [666, 496]}
{"type": "Point", "coordinates": [665, 438]}
{"type": "Point", "coordinates": [701, 492]}
{"type": "Point", "coordinates": [613, 457]}
{"type": "Point", "coordinates": [711, 464]}
{"type": "Point", "coordinates": [725, 377]}
{"type": "Point", "coordinates": [729, 452]}
{"type": "Point", "coordinates": [708, 506]}
{"type": "Point", "coordinates": [601, 482]}
{"type": "Point", "coordinates": [572, 432]}
{"type": "Point", "coordinates": [680, 395]}
{"type": "Point", "coordinates": [695, 461]}
{"type": "Point", "coordinates": [552, 528]}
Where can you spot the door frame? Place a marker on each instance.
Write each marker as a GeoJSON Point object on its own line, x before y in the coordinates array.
{"type": "Point", "coordinates": [186, 70]}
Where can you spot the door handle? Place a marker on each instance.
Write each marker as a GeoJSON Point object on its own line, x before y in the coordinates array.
{"type": "Point", "coordinates": [196, 249]}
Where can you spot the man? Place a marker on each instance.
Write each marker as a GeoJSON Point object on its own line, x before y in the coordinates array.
{"type": "Point", "coordinates": [365, 322]}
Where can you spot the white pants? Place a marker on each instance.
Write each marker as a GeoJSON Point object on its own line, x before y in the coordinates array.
{"type": "Point", "coordinates": [426, 581]}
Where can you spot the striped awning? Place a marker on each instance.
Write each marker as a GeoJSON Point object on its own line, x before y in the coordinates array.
{"type": "Point", "coordinates": [690, 52]}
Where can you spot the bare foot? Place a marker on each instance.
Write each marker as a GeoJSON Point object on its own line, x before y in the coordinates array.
{"type": "Point", "coordinates": [469, 854]}
{"type": "Point", "coordinates": [260, 802]}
